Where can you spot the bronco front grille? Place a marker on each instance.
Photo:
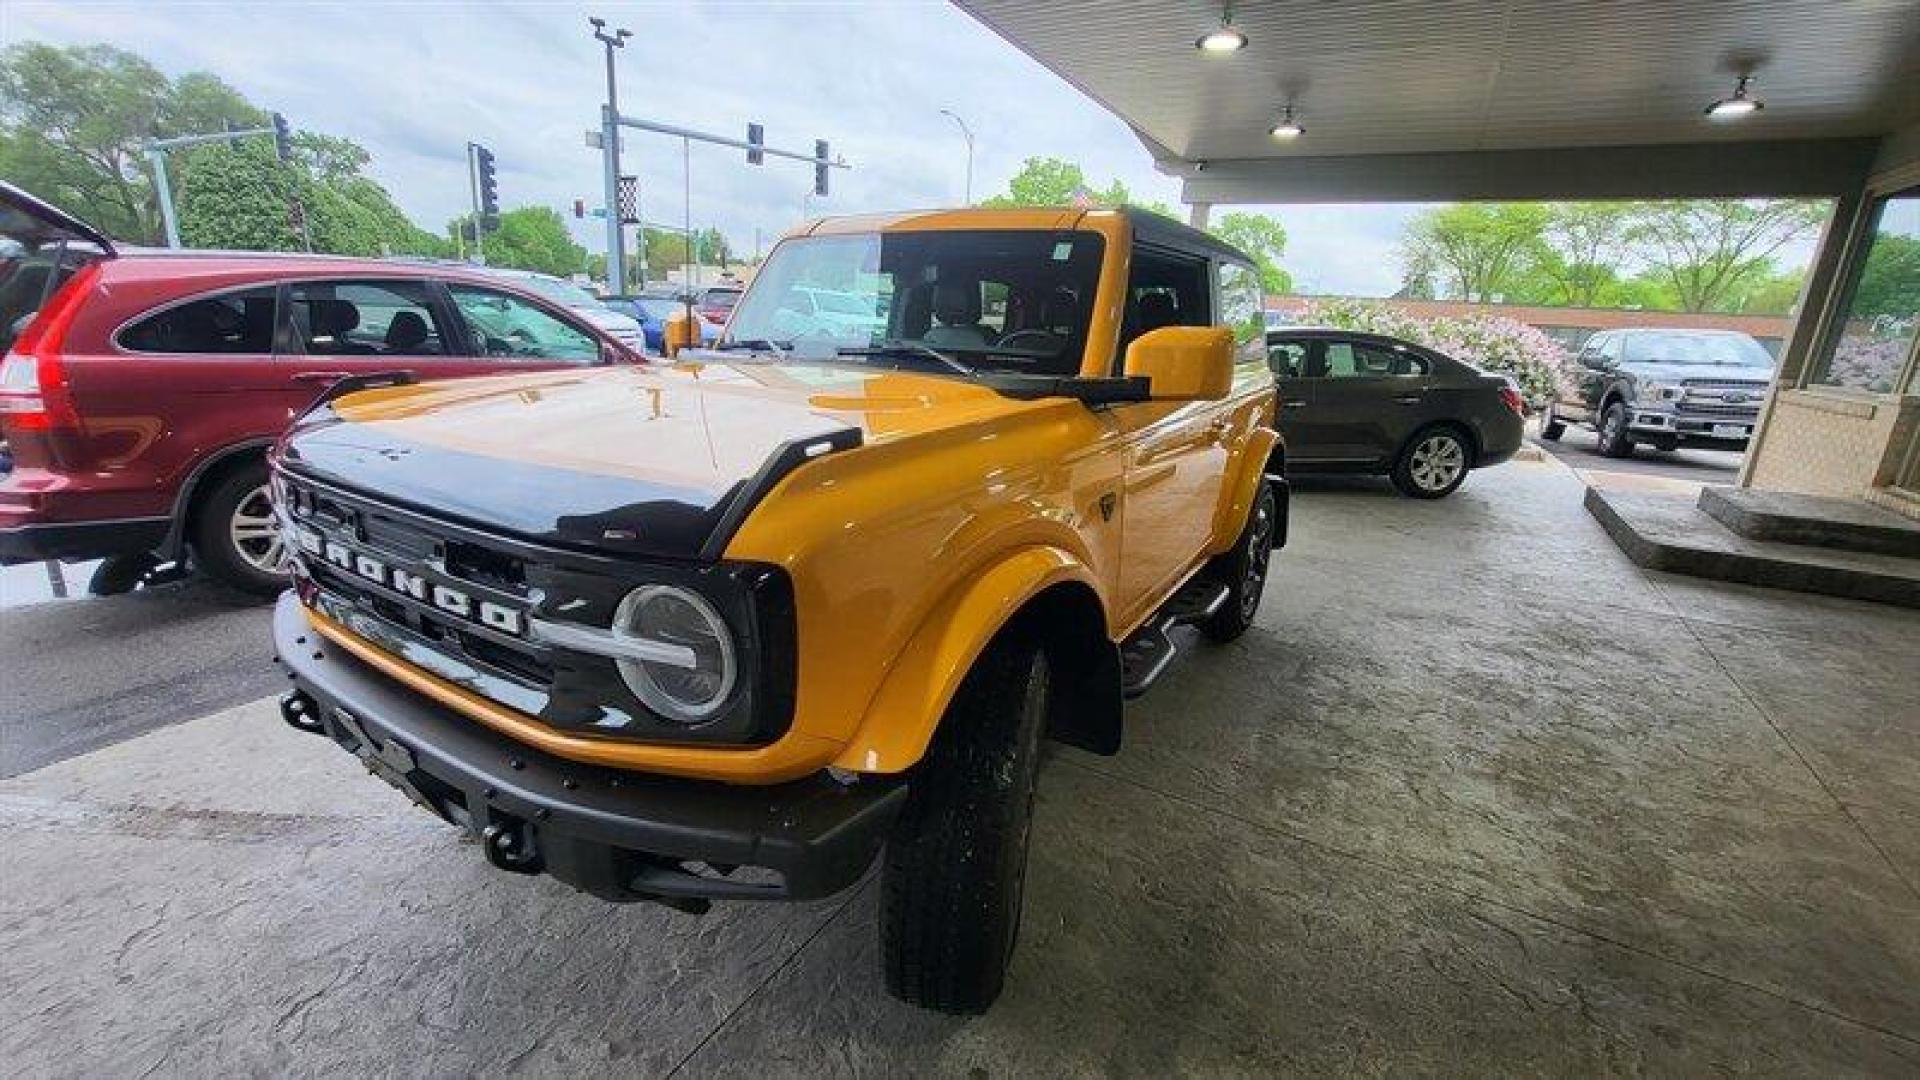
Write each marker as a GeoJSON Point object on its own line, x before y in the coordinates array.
{"type": "Point", "coordinates": [459, 603]}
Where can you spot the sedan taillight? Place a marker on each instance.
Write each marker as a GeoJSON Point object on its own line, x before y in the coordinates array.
{"type": "Point", "coordinates": [1510, 394]}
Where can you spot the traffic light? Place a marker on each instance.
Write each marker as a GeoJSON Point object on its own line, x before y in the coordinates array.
{"type": "Point", "coordinates": [489, 189]}
{"type": "Point", "coordinates": [756, 138]}
{"type": "Point", "coordinates": [282, 138]}
{"type": "Point", "coordinates": [579, 208]}
{"type": "Point", "coordinates": [820, 167]}
{"type": "Point", "coordinates": [232, 140]}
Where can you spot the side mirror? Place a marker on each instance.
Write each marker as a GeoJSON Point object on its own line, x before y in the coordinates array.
{"type": "Point", "coordinates": [1183, 363]}
{"type": "Point", "coordinates": [679, 333]}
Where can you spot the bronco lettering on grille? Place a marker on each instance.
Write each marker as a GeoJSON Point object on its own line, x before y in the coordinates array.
{"type": "Point", "coordinates": [412, 584]}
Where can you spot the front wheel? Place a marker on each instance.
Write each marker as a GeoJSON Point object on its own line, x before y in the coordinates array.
{"type": "Point", "coordinates": [1614, 441]}
{"type": "Point", "coordinates": [1244, 570]}
{"type": "Point", "coordinates": [957, 860]}
{"type": "Point", "coordinates": [1551, 427]}
{"type": "Point", "coordinates": [236, 537]}
{"type": "Point", "coordinates": [1433, 464]}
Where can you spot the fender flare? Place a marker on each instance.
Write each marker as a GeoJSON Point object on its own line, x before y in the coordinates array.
{"type": "Point", "coordinates": [925, 674]}
{"type": "Point", "coordinates": [1243, 482]}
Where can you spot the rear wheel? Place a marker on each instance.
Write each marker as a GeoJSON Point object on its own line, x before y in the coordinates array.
{"type": "Point", "coordinates": [1614, 440]}
{"type": "Point", "coordinates": [236, 537]}
{"type": "Point", "coordinates": [1551, 428]}
{"type": "Point", "coordinates": [957, 860]}
{"type": "Point", "coordinates": [1244, 570]}
{"type": "Point", "coordinates": [1433, 464]}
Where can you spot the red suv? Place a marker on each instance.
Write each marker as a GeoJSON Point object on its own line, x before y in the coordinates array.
{"type": "Point", "coordinates": [141, 387]}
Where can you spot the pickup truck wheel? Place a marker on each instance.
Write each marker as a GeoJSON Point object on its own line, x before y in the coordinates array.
{"type": "Point", "coordinates": [1244, 570]}
{"type": "Point", "coordinates": [1550, 428]}
{"type": "Point", "coordinates": [236, 538]}
{"type": "Point", "coordinates": [957, 859]}
{"type": "Point", "coordinates": [1614, 441]}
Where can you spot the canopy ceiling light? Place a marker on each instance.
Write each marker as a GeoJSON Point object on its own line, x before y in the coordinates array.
{"type": "Point", "coordinates": [1224, 40]}
{"type": "Point", "coordinates": [1737, 105]}
{"type": "Point", "coordinates": [1287, 127]}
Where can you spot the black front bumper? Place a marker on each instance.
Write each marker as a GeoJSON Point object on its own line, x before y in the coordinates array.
{"type": "Point", "coordinates": [616, 834]}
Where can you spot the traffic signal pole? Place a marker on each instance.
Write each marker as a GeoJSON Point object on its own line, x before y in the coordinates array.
{"type": "Point", "coordinates": [610, 160]}
{"type": "Point", "coordinates": [156, 152]}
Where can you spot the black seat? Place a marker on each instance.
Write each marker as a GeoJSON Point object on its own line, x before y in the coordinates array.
{"type": "Point", "coordinates": [407, 332]}
{"type": "Point", "coordinates": [956, 314]}
{"type": "Point", "coordinates": [1156, 309]}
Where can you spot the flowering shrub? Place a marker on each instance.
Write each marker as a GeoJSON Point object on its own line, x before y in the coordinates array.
{"type": "Point", "coordinates": [1491, 343]}
{"type": "Point", "coordinates": [1869, 356]}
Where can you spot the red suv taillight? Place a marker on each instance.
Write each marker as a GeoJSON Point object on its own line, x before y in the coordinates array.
{"type": "Point", "coordinates": [33, 384]}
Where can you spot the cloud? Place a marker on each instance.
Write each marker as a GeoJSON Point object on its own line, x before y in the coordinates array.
{"type": "Point", "coordinates": [413, 83]}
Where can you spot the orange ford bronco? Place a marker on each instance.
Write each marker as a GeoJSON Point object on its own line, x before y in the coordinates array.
{"type": "Point", "coordinates": [727, 629]}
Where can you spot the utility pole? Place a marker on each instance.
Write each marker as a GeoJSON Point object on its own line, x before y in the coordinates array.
{"type": "Point", "coordinates": [968, 133]}
{"type": "Point", "coordinates": [610, 158]}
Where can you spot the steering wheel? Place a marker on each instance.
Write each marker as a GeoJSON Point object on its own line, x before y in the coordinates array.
{"type": "Point", "coordinates": [1046, 339]}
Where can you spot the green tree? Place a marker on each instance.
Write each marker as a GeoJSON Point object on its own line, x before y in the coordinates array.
{"type": "Point", "coordinates": [1772, 293]}
{"type": "Point", "coordinates": [237, 198]}
{"type": "Point", "coordinates": [72, 121]}
{"type": "Point", "coordinates": [1581, 250]}
{"type": "Point", "coordinates": [533, 238]}
{"type": "Point", "coordinates": [1711, 252]}
{"type": "Point", "coordinates": [1265, 240]}
{"type": "Point", "coordinates": [1056, 182]}
{"type": "Point", "coordinates": [1890, 282]}
{"type": "Point", "coordinates": [1477, 249]}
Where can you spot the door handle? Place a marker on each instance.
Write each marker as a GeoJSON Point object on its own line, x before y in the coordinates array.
{"type": "Point", "coordinates": [320, 376]}
{"type": "Point", "coordinates": [1408, 399]}
{"type": "Point", "coordinates": [1293, 403]}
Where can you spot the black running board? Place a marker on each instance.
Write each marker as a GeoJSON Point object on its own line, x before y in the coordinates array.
{"type": "Point", "coordinates": [1144, 656]}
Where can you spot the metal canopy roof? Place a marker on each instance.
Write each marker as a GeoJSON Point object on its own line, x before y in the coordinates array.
{"type": "Point", "coordinates": [1439, 84]}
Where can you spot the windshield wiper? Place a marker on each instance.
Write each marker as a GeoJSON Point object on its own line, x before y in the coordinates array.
{"type": "Point", "coordinates": [778, 348]}
{"type": "Point", "coordinates": [908, 348]}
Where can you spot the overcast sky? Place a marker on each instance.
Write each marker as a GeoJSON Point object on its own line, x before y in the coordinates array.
{"type": "Point", "coordinates": [414, 81]}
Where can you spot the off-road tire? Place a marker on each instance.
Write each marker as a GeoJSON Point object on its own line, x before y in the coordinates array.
{"type": "Point", "coordinates": [1619, 444]}
{"type": "Point", "coordinates": [955, 864]}
{"type": "Point", "coordinates": [1407, 464]}
{"type": "Point", "coordinates": [1244, 570]}
{"type": "Point", "coordinates": [1550, 428]}
{"type": "Point", "coordinates": [214, 551]}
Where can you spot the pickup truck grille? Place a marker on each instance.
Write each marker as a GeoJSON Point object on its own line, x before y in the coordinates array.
{"type": "Point", "coordinates": [1747, 386]}
{"type": "Point", "coordinates": [1718, 408]}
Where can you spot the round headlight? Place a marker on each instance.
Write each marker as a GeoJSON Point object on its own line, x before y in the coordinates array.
{"type": "Point", "coordinates": [693, 672]}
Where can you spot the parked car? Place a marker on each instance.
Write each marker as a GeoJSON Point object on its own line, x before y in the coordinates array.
{"type": "Point", "coordinates": [722, 631]}
{"type": "Point", "coordinates": [1367, 403]}
{"type": "Point", "coordinates": [619, 325]}
{"type": "Point", "coordinates": [652, 310]}
{"type": "Point", "coordinates": [715, 303]}
{"type": "Point", "coordinates": [140, 388]}
{"type": "Point", "coordinates": [1667, 388]}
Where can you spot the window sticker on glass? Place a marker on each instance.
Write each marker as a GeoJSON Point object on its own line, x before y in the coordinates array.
{"type": "Point", "coordinates": [1063, 251]}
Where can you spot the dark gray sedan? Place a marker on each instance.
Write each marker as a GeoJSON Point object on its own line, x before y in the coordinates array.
{"type": "Point", "coordinates": [1365, 403]}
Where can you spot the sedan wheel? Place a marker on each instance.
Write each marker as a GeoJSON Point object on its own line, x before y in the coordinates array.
{"type": "Point", "coordinates": [1432, 466]}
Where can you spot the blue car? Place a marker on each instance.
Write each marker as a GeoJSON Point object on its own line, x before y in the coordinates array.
{"type": "Point", "coordinates": [652, 311]}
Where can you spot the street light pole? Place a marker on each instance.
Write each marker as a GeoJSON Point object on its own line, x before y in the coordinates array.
{"type": "Point", "coordinates": [610, 150]}
{"type": "Point", "coordinates": [968, 133]}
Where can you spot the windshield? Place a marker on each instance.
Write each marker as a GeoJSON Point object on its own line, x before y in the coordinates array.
{"type": "Point", "coordinates": [1701, 350]}
{"type": "Point", "coordinates": [994, 300]}
{"type": "Point", "coordinates": [564, 292]}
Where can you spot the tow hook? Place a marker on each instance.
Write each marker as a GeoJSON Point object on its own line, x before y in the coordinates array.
{"type": "Point", "coordinates": [300, 713]}
{"type": "Point", "coordinates": [509, 846]}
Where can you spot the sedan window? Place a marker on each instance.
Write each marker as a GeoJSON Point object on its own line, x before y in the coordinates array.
{"type": "Point", "coordinates": [1352, 360]}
